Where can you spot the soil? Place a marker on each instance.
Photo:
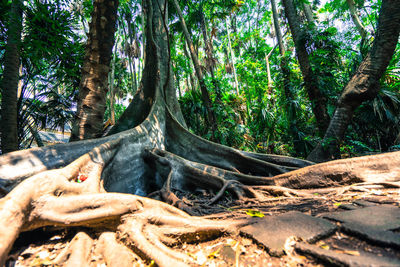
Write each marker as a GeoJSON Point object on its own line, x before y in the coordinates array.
{"type": "Point", "coordinates": [41, 247]}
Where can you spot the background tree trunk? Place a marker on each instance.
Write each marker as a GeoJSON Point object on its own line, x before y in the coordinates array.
{"type": "Point", "coordinates": [308, 12]}
{"type": "Point", "coordinates": [190, 78]}
{"type": "Point", "coordinates": [93, 87]}
{"type": "Point", "coordinates": [356, 19]}
{"type": "Point", "coordinates": [112, 90]}
{"type": "Point", "coordinates": [228, 32]}
{"type": "Point", "coordinates": [9, 84]}
{"type": "Point", "coordinates": [318, 101]}
{"type": "Point", "coordinates": [365, 84]}
{"type": "Point", "coordinates": [208, 46]}
{"type": "Point", "coordinates": [204, 92]}
{"type": "Point", "coordinates": [284, 66]}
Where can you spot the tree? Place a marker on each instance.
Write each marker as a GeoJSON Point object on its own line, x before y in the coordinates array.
{"type": "Point", "coordinates": [356, 19]}
{"type": "Point", "coordinates": [94, 80]}
{"type": "Point", "coordinates": [208, 47]}
{"type": "Point", "coordinates": [364, 84]}
{"type": "Point", "coordinates": [9, 83]}
{"type": "Point", "coordinates": [152, 155]}
{"type": "Point", "coordinates": [228, 33]}
{"type": "Point", "coordinates": [318, 101]}
{"type": "Point", "coordinates": [290, 109]}
{"type": "Point", "coordinates": [204, 92]}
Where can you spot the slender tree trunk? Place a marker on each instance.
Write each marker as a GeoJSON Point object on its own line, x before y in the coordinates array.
{"type": "Point", "coordinates": [112, 93]}
{"type": "Point", "coordinates": [284, 66]}
{"type": "Point", "coordinates": [318, 101]}
{"type": "Point", "coordinates": [143, 33]}
{"type": "Point", "coordinates": [277, 28]}
{"type": "Point", "coordinates": [365, 84]}
{"type": "Point", "coordinates": [9, 84]}
{"type": "Point", "coordinates": [187, 84]}
{"type": "Point", "coordinates": [268, 74]}
{"type": "Point", "coordinates": [308, 12]}
{"type": "Point", "coordinates": [354, 16]}
{"type": "Point", "coordinates": [204, 92]}
{"type": "Point", "coordinates": [209, 53]}
{"type": "Point", "coordinates": [232, 58]}
{"type": "Point", "coordinates": [191, 78]}
{"type": "Point", "coordinates": [131, 39]}
{"type": "Point", "coordinates": [93, 87]}
{"type": "Point", "coordinates": [131, 60]}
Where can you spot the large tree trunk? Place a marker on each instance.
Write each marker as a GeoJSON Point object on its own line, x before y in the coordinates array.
{"type": "Point", "coordinates": [204, 92]}
{"type": "Point", "coordinates": [318, 101]}
{"type": "Point", "coordinates": [9, 84]}
{"type": "Point", "coordinates": [157, 157]}
{"type": "Point", "coordinates": [93, 87]}
{"type": "Point", "coordinates": [365, 84]}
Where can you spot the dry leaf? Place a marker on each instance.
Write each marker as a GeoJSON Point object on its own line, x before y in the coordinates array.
{"type": "Point", "coordinates": [352, 252]}
{"type": "Point", "coordinates": [214, 254]}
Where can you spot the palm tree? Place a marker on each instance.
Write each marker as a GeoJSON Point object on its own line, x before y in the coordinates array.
{"type": "Point", "coordinates": [9, 84]}
{"type": "Point", "coordinates": [94, 79]}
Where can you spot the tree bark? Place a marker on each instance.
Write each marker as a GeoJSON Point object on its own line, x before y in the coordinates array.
{"type": "Point", "coordinates": [204, 92]}
{"type": "Point", "coordinates": [132, 59]}
{"type": "Point", "coordinates": [190, 78]}
{"type": "Point", "coordinates": [317, 99]}
{"type": "Point", "coordinates": [268, 74]}
{"type": "Point", "coordinates": [308, 12]}
{"type": "Point", "coordinates": [93, 87]}
{"type": "Point", "coordinates": [208, 47]}
{"type": "Point", "coordinates": [286, 73]}
{"type": "Point", "coordinates": [112, 92]}
{"type": "Point", "coordinates": [232, 57]}
{"type": "Point", "coordinates": [364, 84]}
{"type": "Point", "coordinates": [9, 84]}
{"type": "Point", "coordinates": [356, 19]}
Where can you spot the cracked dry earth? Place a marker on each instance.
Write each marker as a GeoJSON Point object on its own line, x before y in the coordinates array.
{"type": "Point", "coordinates": [352, 227]}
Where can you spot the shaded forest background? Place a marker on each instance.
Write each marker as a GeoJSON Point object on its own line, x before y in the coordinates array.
{"type": "Point", "coordinates": [257, 105]}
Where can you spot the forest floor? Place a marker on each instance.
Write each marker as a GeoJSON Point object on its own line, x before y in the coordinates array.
{"type": "Point", "coordinates": [353, 227]}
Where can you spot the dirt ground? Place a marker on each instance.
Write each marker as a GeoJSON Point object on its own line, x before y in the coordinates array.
{"type": "Point", "coordinates": [42, 247]}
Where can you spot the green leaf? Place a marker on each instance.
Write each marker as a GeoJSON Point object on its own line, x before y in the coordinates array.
{"type": "Point", "coordinates": [255, 213]}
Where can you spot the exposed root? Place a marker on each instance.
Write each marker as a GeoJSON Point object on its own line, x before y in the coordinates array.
{"type": "Point", "coordinates": [366, 187]}
{"type": "Point", "coordinates": [114, 253]}
{"type": "Point", "coordinates": [77, 253]}
{"type": "Point", "coordinates": [282, 191]}
{"type": "Point", "coordinates": [225, 157]}
{"type": "Point", "coordinates": [60, 201]}
{"type": "Point", "coordinates": [382, 168]}
{"type": "Point", "coordinates": [221, 191]}
{"type": "Point", "coordinates": [151, 235]}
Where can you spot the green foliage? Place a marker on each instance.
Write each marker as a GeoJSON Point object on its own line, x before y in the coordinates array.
{"type": "Point", "coordinates": [263, 117]}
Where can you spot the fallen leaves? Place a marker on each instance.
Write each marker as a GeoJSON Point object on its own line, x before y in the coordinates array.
{"type": "Point", "coordinates": [255, 213]}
